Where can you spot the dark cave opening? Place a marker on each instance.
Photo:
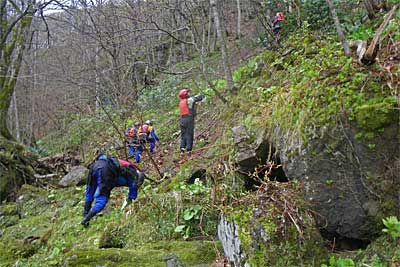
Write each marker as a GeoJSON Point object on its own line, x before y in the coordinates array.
{"type": "Point", "coordinates": [201, 174]}
{"type": "Point", "coordinates": [336, 242]}
{"type": "Point", "coordinates": [269, 169]}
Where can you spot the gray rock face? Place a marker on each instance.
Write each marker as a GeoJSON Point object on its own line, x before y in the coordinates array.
{"type": "Point", "coordinates": [76, 176]}
{"type": "Point", "coordinates": [249, 154]}
{"type": "Point", "coordinates": [347, 180]}
{"type": "Point", "coordinates": [344, 178]}
{"type": "Point", "coordinates": [228, 235]}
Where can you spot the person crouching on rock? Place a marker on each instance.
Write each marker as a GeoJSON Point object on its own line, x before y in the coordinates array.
{"type": "Point", "coordinates": [105, 174]}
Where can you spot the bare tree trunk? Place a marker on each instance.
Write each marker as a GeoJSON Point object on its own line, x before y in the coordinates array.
{"type": "Point", "coordinates": [33, 93]}
{"type": "Point", "coordinates": [201, 51]}
{"type": "Point", "coordinates": [11, 61]}
{"type": "Point", "coordinates": [369, 8]}
{"type": "Point", "coordinates": [297, 5]}
{"type": "Point", "coordinates": [366, 56]}
{"type": "Point", "coordinates": [209, 30]}
{"type": "Point", "coordinates": [183, 47]}
{"type": "Point", "coordinates": [97, 80]}
{"type": "Point", "coordinates": [16, 118]}
{"type": "Point", "coordinates": [372, 50]}
{"type": "Point", "coordinates": [239, 17]}
{"type": "Point", "coordinates": [339, 30]}
{"type": "Point", "coordinates": [224, 52]}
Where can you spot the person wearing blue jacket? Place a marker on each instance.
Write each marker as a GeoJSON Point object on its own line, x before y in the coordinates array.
{"type": "Point", "coordinates": [146, 134]}
{"type": "Point", "coordinates": [105, 174]}
{"type": "Point", "coordinates": [152, 137]}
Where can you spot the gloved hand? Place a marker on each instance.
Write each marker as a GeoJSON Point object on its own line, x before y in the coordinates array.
{"type": "Point", "coordinates": [86, 208]}
{"type": "Point", "coordinates": [126, 203]}
{"type": "Point", "coordinates": [140, 180]}
{"type": "Point", "coordinates": [86, 219]}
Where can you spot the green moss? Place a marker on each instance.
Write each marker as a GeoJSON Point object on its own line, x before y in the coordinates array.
{"type": "Point", "coordinates": [15, 167]}
{"type": "Point", "coordinates": [8, 209]}
{"type": "Point", "coordinates": [375, 115]}
{"type": "Point", "coordinates": [265, 233]}
{"type": "Point", "coordinates": [149, 255]}
{"type": "Point", "coordinates": [8, 221]}
{"type": "Point", "coordinates": [113, 236]}
{"type": "Point", "coordinates": [384, 250]}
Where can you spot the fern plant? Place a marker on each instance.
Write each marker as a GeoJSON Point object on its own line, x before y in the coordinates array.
{"type": "Point", "coordinates": [392, 225]}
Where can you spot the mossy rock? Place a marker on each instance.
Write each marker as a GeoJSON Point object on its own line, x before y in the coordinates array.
{"type": "Point", "coordinates": [113, 236]}
{"type": "Point", "coordinates": [264, 234]}
{"type": "Point", "coordinates": [7, 221]}
{"type": "Point", "coordinates": [14, 167]}
{"type": "Point", "coordinates": [24, 249]}
{"type": "Point", "coordinates": [32, 191]}
{"type": "Point", "coordinates": [377, 115]}
{"type": "Point", "coordinates": [8, 209]}
{"type": "Point", "coordinates": [384, 251]}
{"type": "Point", "coordinates": [149, 255]}
{"type": "Point", "coordinates": [183, 175]}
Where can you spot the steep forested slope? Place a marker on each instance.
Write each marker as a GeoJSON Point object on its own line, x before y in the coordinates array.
{"type": "Point", "coordinates": [305, 177]}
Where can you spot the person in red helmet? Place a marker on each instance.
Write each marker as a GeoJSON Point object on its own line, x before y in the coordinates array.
{"type": "Point", "coordinates": [277, 24]}
{"type": "Point", "coordinates": [187, 108]}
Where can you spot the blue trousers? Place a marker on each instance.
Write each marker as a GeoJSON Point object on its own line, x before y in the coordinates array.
{"type": "Point", "coordinates": [93, 192]}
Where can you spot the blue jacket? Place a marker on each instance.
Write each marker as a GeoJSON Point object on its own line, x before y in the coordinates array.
{"type": "Point", "coordinates": [104, 175]}
{"type": "Point", "coordinates": [153, 136]}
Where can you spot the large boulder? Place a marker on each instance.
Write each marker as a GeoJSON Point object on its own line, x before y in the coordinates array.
{"type": "Point", "coordinates": [352, 183]}
{"type": "Point", "coordinates": [249, 153]}
{"type": "Point", "coordinates": [77, 176]}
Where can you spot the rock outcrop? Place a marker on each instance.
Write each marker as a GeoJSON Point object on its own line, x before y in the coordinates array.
{"type": "Point", "coordinates": [351, 183]}
{"type": "Point", "coordinates": [229, 237]}
{"type": "Point", "coordinates": [77, 176]}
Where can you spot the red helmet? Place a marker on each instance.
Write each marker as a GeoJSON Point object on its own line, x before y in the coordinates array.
{"type": "Point", "coordinates": [184, 93]}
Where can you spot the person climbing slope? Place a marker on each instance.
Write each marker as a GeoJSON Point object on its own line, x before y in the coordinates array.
{"type": "Point", "coordinates": [142, 134]}
{"type": "Point", "coordinates": [277, 25]}
{"type": "Point", "coordinates": [132, 137]}
{"type": "Point", "coordinates": [105, 174]}
{"type": "Point", "coordinates": [152, 137]}
{"type": "Point", "coordinates": [187, 108]}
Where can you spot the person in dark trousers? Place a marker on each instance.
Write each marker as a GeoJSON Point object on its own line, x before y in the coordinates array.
{"type": "Point", "coordinates": [277, 25]}
{"type": "Point", "coordinates": [187, 107]}
{"type": "Point", "coordinates": [132, 137]}
{"type": "Point", "coordinates": [105, 174]}
{"type": "Point", "coordinates": [142, 133]}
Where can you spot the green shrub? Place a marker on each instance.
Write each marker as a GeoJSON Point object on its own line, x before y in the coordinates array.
{"type": "Point", "coordinates": [392, 225]}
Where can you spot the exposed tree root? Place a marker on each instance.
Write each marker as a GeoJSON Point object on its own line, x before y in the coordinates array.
{"type": "Point", "coordinates": [367, 55]}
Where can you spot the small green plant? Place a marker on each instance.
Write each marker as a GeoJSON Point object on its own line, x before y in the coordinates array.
{"type": "Point", "coordinates": [339, 262]}
{"type": "Point", "coordinates": [329, 182]}
{"type": "Point", "coordinates": [371, 146]}
{"type": "Point", "coordinates": [392, 225]}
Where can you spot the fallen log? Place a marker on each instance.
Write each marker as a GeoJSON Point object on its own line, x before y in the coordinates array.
{"type": "Point", "coordinates": [367, 56]}
{"type": "Point", "coordinates": [46, 176]}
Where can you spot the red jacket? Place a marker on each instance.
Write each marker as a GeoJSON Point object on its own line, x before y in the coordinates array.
{"type": "Point", "coordinates": [278, 18]}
